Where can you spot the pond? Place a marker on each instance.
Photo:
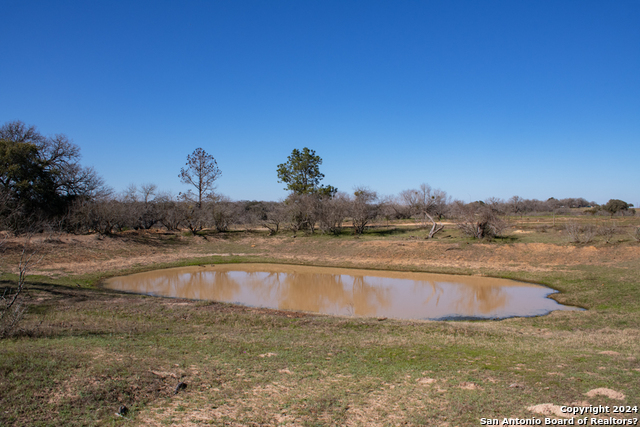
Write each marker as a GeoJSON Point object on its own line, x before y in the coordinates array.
{"type": "Point", "coordinates": [347, 292]}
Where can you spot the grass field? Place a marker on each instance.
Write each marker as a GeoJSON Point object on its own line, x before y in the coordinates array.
{"type": "Point", "coordinates": [83, 351]}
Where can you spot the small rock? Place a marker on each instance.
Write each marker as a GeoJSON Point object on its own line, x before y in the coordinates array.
{"type": "Point", "coordinates": [122, 411]}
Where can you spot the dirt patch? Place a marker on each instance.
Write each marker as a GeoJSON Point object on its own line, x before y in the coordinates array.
{"type": "Point", "coordinates": [469, 386]}
{"type": "Point", "coordinates": [548, 409]}
{"type": "Point", "coordinates": [267, 355]}
{"type": "Point", "coordinates": [606, 392]}
{"type": "Point", "coordinates": [76, 254]}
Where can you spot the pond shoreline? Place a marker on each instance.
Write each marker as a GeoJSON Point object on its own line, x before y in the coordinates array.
{"type": "Point", "coordinates": [350, 292]}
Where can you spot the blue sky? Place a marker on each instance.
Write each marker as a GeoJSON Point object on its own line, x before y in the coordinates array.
{"type": "Point", "coordinates": [480, 99]}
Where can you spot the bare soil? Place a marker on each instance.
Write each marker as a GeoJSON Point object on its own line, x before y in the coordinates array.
{"type": "Point", "coordinates": [87, 254]}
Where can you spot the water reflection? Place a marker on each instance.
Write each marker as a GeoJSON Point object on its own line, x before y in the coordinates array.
{"type": "Point", "coordinates": [346, 292]}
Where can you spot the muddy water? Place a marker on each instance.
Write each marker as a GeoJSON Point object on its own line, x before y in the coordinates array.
{"type": "Point", "coordinates": [349, 292]}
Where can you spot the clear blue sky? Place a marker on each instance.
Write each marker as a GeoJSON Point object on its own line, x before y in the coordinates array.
{"type": "Point", "coordinates": [490, 98]}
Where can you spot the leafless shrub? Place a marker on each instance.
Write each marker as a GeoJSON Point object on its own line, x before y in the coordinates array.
{"type": "Point", "coordinates": [302, 212]}
{"type": "Point", "coordinates": [427, 204]}
{"type": "Point", "coordinates": [426, 200]}
{"type": "Point", "coordinates": [607, 232]}
{"type": "Point", "coordinates": [580, 233]}
{"type": "Point", "coordinates": [172, 213]}
{"type": "Point", "coordinates": [517, 205]}
{"type": "Point", "coordinates": [275, 217]}
{"type": "Point", "coordinates": [13, 303]}
{"type": "Point", "coordinates": [572, 229]}
{"type": "Point", "coordinates": [250, 214]}
{"type": "Point", "coordinates": [479, 221]}
{"type": "Point", "coordinates": [223, 213]}
{"type": "Point", "coordinates": [588, 233]}
{"type": "Point", "coordinates": [195, 218]}
{"type": "Point", "coordinates": [103, 216]}
{"type": "Point", "coordinates": [363, 208]}
{"type": "Point", "coordinates": [332, 212]}
{"type": "Point", "coordinates": [636, 234]}
{"type": "Point", "coordinates": [394, 207]}
{"type": "Point", "coordinates": [143, 210]}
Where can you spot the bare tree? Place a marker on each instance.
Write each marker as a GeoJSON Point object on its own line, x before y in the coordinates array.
{"type": "Point", "coordinates": [147, 190]}
{"type": "Point", "coordinates": [497, 205]}
{"type": "Point", "coordinates": [332, 213]}
{"type": "Point", "coordinates": [130, 194]}
{"type": "Point", "coordinates": [363, 208]}
{"type": "Point", "coordinates": [144, 211]}
{"type": "Point", "coordinates": [395, 208]}
{"type": "Point", "coordinates": [172, 213]}
{"type": "Point", "coordinates": [250, 214]}
{"type": "Point", "coordinates": [302, 211]}
{"type": "Point", "coordinates": [275, 216]}
{"type": "Point", "coordinates": [479, 220]}
{"type": "Point", "coordinates": [223, 212]}
{"type": "Point", "coordinates": [427, 203]}
{"type": "Point", "coordinates": [108, 215]}
{"type": "Point", "coordinates": [201, 171]}
{"type": "Point", "coordinates": [195, 218]}
{"type": "Point", "coordinates": [516, 204]}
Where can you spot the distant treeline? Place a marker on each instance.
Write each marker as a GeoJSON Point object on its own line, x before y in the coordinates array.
{"type": "Point", "coordinates": [310, 212]}
{"type": "Point", "coordinates": [43, 185]}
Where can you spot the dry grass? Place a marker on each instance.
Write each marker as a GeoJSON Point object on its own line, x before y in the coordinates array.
{"type": "Point", "coordinates": [83, 351]}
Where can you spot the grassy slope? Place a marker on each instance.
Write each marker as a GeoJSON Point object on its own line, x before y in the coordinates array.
{"type": "Point", "coordinates": [85, 351]}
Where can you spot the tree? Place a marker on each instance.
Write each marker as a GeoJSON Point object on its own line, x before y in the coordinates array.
{"type": "Point", "coordinates": [201, 172]}
{"type": "Point", "coordinates": [427, 203]}
{"type": "Point", "coordinates": [172, 213]}
{"type": "Point", "coordinates": [614, 206]}
{"type": "Point", "coordinates": [275, 215]}
{"type": "Point", "coordinates": [479, 220]}
{"type": "Point", "coordinates": [516, 204]}
{"type": "Point", "coordinates": [332, 212]}
{"type": "Point", "coordinates": [363, 208]}
{"type": "Point", "coordinates": [223, 213]}
{"type": "Point", "coordinates": [147, 190]}
{"type": "Point", "coordinates": [40, 177]}
{"type": "Point", "coordinates": [302, 173]}
{"type": "Point", "coordinates": [302, 211]}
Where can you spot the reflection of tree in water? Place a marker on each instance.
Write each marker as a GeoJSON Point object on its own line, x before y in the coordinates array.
{"type": "Point", "coordinates": [318, 292]}
{"type": "Point", "coordinates": [206, 285]}
{"type": "Point", "coordinates": [437, 292]}
{"type": "Point", "coordinates": [479, 299]}
{"type": "Point", "coordinates": [321, 292]}
{"type": "Point", "coordinates": [265, 286]}
{"type": "Point", "coordinates": [369, 299]}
